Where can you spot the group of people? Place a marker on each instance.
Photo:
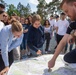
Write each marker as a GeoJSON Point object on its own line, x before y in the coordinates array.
{"type": "Point", "coordinates": [30, 35]}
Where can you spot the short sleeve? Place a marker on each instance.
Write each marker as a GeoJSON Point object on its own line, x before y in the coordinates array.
{"type": "Point", "coordinates": [71, 27]}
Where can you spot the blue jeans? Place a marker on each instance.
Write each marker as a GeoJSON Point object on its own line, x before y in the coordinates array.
{"type": "Point", "coordinates": [71, 46]}
{"type": "Point", "coordinates": [23, 44]}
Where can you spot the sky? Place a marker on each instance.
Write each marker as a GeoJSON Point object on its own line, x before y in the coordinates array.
{"type": "Point", "coordinates": [33, 3]}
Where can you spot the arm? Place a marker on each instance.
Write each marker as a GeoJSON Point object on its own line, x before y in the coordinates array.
{"type": "Point", "coordinates": [16, 42]}
{"type": "Point", "coordinates": [59, 48]}
{"type": "Point", "coordinates": [56, 29]}
{"type": "Point", "coordinates": [25, 31]}
{"type": "Point", "coordinates": [61, 45]}
{"type": "Point", "coordinates": [30, 44]}
{"type": "Point", "coordinates": [4, 50]}
{"type": "Point", "coordinates": [4, 46]}
{"type": "Point", "coordinates": [72, 37]}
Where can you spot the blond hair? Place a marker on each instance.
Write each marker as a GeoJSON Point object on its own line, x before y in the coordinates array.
{"type": "Point", "coordinates": [36, 17]}
{"type": "Point", "coordinates": [16, 26]}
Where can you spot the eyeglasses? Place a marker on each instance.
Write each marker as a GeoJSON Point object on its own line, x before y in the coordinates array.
{"type": "Point", "coordinates": [4, 16]}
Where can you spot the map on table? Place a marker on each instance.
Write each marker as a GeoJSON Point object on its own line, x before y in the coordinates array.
{"type": "Point", "coordinates": [39, 66]}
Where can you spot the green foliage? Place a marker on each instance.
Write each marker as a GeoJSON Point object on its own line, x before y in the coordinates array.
{"type": "Point", "coordinates": [42, 9]}
{"type": "Point", "coordinates": [1, 1]}
{"type": "Point", "coordinates": [12, 9]}
{"type": "Point", "coordinates": [45, 9]}
{"type": "Point", "coordinates": [24, 11]}
{"type": "Point", "coordinates": [54, 7]}
{"type": "Point", "coordinates": [20, 10]}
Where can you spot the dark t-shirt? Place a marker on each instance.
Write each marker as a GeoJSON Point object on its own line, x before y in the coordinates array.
{"type": "Point", "coordinates": [71, 27]}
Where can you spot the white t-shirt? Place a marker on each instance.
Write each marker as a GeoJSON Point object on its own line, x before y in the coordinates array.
{"type": "Point", "coordinates": [62, 26]}
{"type": "Point", "coordinates": [47, 29]}
{"type": "Point", "coordinates": [1, 25]}
{"type": "Point", "coordinates": [55, 25]}
{"type": "Point", "coordinates": [52, 22]}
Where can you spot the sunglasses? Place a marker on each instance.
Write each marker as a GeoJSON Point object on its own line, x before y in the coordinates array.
{"type": "Point", "coordinates": [4, 16]}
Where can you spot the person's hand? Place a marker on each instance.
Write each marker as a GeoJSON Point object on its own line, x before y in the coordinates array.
{"type": "Point", "coordinates": [5, 70]}
{"type": "Point", "coordinates": [25, 31]}
{"type": "Point", "coordinates": [71, 39]}
{"type": "Point", "coordinates": [75, 33]}
{"type": "Point", "coordinates": [51, 63]}
{"type": "Point", "coordinates": [39, 52]}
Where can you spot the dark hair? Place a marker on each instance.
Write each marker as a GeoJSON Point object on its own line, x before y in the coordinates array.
{"type": "Point", "coordinates": [28, 20]}
{"type": "Point", "coordinates": [30, 16]}
{"type": "Point", "coordinates": [1, 12]}
{"type": "Point", "coordinates": [66, 1]}
{"type": "Point", "coordinates": [2, 6]}
{"type": "Point", "coordinates": [45, 23]}
{"type": "Point", "coordinates": [57, 16]}
{"type": "Point", "coordinates": [62, 13]}
{"type": "Point", "coordinates": [51, 16]}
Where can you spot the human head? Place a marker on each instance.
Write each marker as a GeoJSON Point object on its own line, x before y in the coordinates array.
{"type": "Point", "coordinates": [46, 23]}
{"type": "Point", "coordinates": [57, 17]}
{"type": "Point", "coordinates": [5, 17]}
{"type": "Point", "coordinates": [1, 15]}
{"type": "Point", "coordinates": [27, 21]}
{"type": "Point", "coordinates": [51, 17]}
{"type": "Point", "coordinates": [36, 20]}
{"type": "Point", "coordinates": [62, 16]}
{"type": "Point", "coordinates": [30, 18]}
{"type": "Point", "coordinates": [2, 7]}
{"type": "Point", "coordinates": [18, 18]}
{"type": "Point", "coordinates": [17, 28]}
{"type": "Point", "coordinates": [22, 20]}
{"type": "Point", "coordinates": [69, 7]}
{"type": "Point", "coordinates": [14, 15]}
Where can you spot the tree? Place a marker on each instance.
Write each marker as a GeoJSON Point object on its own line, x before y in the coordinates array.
{"type": "Point", "coordinates": [28, 9]}
{"type": "Point", "coordinates": [45, 9]}
{"type": "Point", "coordinates": [24, 10]}
{"type": "Point", "coordinates": [12, 9]}
{"type": "Point", "coordinates": [54, 7]}
{"type": "Point", "coordinates": [42, 9]}
{"type": "Point", "coordinates": [1, 1]}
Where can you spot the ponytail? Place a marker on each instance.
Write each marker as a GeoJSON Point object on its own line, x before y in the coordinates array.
{"type": "Point", "coordinates": [16, 26]}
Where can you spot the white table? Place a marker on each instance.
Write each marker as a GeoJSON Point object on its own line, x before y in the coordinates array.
{"type": "Point", "coordinates": [35, 66]}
